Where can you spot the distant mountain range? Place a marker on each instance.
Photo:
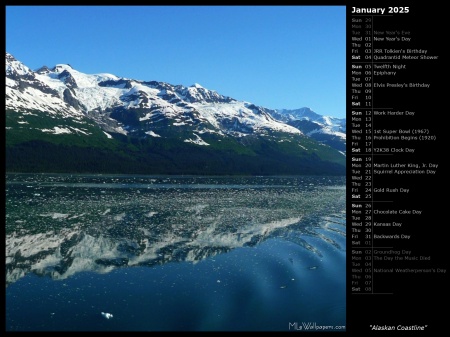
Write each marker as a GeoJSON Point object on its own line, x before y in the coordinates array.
{"type": "Point", "coordinates": [61, 120]}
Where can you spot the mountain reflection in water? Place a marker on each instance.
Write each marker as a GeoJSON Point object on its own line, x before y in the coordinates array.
{"type": "Point", "coordinates": [60, 225]}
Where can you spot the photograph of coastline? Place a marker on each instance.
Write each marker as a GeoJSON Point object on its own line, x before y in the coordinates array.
{"type": "Point", "coordinates": [175, 168]}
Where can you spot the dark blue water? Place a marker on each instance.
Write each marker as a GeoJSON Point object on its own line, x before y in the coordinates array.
{"type": "Point", "coordinates": [195, 254]}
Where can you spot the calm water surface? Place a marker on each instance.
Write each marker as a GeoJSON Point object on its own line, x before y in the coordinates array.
{"type": "Point", "coordinates": [174, 253]}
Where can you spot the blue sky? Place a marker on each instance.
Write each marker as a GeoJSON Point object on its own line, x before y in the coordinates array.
{"type": "Point", "coordinates": [279, 57]}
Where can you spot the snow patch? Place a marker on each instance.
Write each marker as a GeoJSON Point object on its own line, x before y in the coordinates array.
{"type": "Point", "coordinates": [197, 141]}
{"type": "Point", "coordinates": [57, 130]}
{"type": "Point", "coordinates": [151, 133]}
{"type": "Point", "coordinates": [107, 135]}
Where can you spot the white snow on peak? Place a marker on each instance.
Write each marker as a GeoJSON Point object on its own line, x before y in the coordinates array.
{"type": "Point", "coordinates": [59, 68]}
{"type": "Point", "coordinates": [14, 66]}
{"type": "Point", "coordinates": [105, 77]}
{"type": "Point", "coordinates": [238, 112]}
{"type": "Point", "coordinates": [239, 118]}
{"type": "Point", "coordinates": [327, 120]}
{"type": "Point", "coordinates": [88, 91]}
{"type": "Point", "coordinates": [329, 131]}
{"type": "Point", "coordinates": [83, 80]}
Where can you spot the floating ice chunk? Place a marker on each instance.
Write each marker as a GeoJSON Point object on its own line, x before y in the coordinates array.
{"type": "Point", "coordinates": [106, 212]}
{"type": "Point", "coordinates": [107, 315]}
{"type": "Point", "coordinates": [119, 217]}
{"type": "Point", "coordinates": [55, 215]}
{"type": "Point", "coordinates": [150, 214]}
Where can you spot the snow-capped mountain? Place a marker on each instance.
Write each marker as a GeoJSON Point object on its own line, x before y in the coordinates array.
{"type": "Point", "coordinates": [25, 91]}
{"type": "Point", "coordinates": [326, 129]}
{"type": "Point", "coordinates": [104, 108]}
{"type": "Point", "coordinates": [139, 106]}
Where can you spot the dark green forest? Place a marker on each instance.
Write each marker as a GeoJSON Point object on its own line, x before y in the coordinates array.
{"type": "Point", "coordinates": [40, 156]}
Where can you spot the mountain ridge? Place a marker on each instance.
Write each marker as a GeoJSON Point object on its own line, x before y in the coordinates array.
{"type": "Point", "coordinates": [136, 117]}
